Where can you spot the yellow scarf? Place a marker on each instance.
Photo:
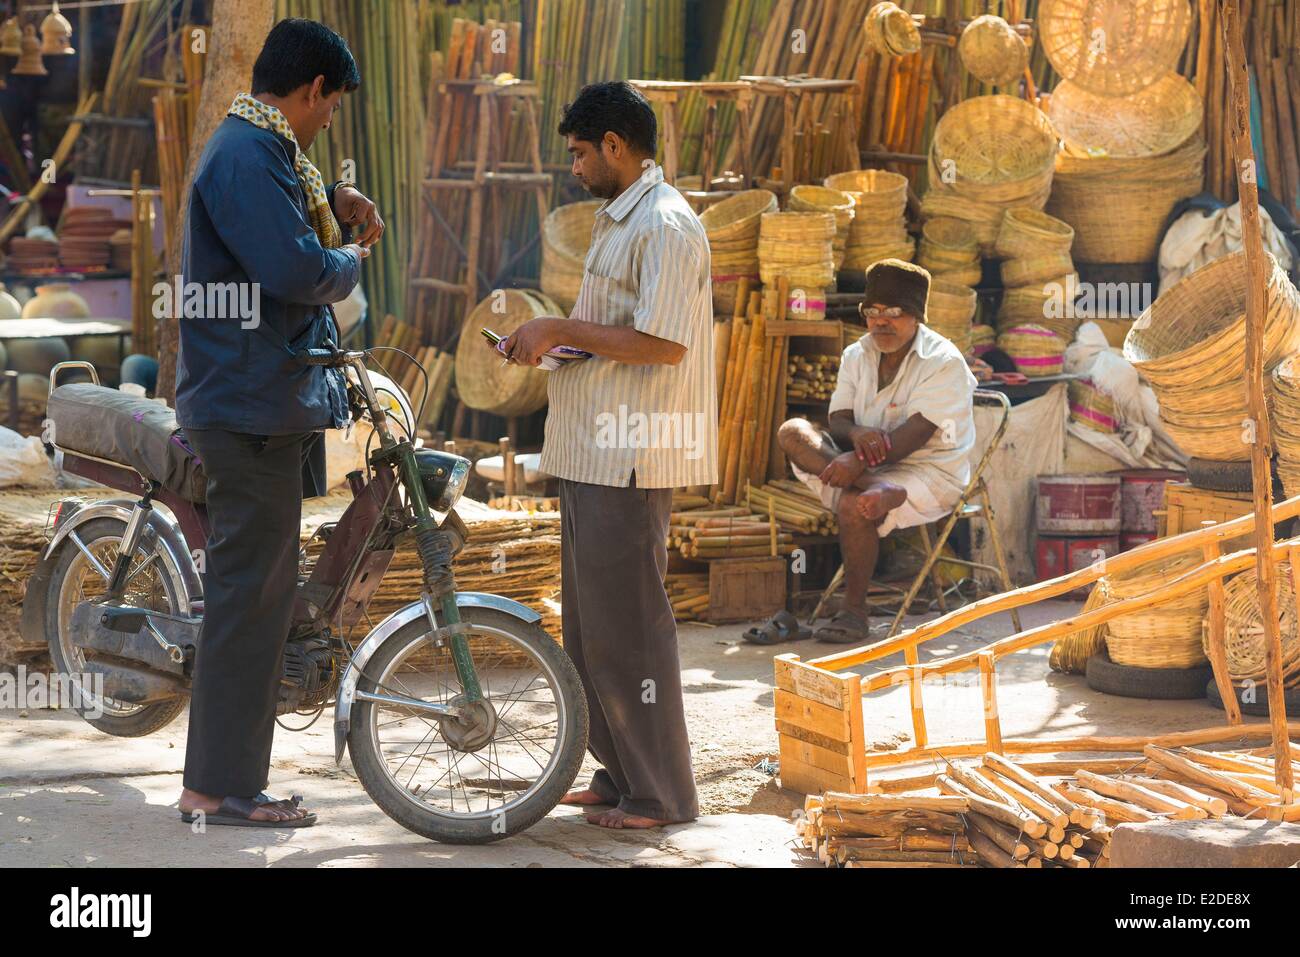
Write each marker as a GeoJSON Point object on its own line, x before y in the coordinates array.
{"type": "Point", "coordinates": [319, 213]}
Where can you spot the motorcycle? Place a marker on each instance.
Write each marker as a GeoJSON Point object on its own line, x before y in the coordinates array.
{"type": "Point", "coordinates": [465, 722]}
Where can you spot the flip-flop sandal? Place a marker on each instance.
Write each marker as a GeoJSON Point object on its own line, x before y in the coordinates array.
{"type": "Point", "coordinates": [238, 812]}
{"type": "Point", "coordinates": [780, 628]}
{"type": "Point", "coordinates": [845, 628]}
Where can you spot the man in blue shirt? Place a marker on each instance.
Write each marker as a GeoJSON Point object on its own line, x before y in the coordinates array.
{"type": "Point", "coordinates": [266, 253]}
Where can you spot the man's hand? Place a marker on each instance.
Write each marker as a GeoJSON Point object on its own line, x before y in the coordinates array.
{"type": "Point", "coordinates": [871, 445]}
{"type": "Point", "coordinates": [354, 210]}
{"type": "Point", "coordinates": [361, 252]}
{"type": "Point", "coordinates": [843, 470]}
{"type": "Point", "coordinates": [527, 344]}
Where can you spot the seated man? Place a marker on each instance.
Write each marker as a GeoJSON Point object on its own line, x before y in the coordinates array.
{"type": "Point", "coordinates": [901, 432]}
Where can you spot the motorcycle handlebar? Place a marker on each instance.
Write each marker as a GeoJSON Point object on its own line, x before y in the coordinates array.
{"type": "Point", "coordinates": [328, 355]}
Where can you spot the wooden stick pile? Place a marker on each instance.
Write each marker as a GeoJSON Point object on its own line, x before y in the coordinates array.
{"type": "Point", "coordinates": [432, 387]}
{"type": "Point", "coordinates": [886, 830]}
{"type": "Point", "coordinates": [795, 507]}
{"type": "Point", "coordinates": [708, 534]}
{"type": "Point", "coordinates": [811, 377]}
{"type": "Point", "coordinates": [689, 594]}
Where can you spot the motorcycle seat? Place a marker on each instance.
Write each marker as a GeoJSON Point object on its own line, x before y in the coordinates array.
{"type": "Point", "coordinates": [137, 433]}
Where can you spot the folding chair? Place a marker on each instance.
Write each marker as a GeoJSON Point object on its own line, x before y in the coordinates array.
{"type": "Point", "coordinates": [966, 508]}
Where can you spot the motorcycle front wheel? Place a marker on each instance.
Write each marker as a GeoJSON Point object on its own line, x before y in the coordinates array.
{"type": "Point", "coordinates": [492, 773]}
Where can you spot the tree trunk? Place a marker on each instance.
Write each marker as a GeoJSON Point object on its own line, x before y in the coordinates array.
{"type": "Point", "coordinates": [239, 28]}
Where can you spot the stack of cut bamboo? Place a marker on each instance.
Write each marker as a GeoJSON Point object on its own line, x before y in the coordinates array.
{"type": "Point", "coordinates": [811, 377]}
{"type": "Point", "coordinates": [707, 534]}
{"type": "Point", "coordinates": [428, 390]}
{"type": "Point", "coordinates": [794, 506]}
{"type": "Point", "coordinates": [689, 594]}
{"type": "Point", "coordinates": [750, 367]}
{"type": "Point", "coordinates": [886, 830]}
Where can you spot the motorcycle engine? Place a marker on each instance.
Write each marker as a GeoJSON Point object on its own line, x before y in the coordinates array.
{"type": "Point", "coordinates": [308, 676]}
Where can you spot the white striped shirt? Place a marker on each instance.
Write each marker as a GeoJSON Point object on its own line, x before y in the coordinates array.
{"type": "Point", "coordinates": [648, 268]}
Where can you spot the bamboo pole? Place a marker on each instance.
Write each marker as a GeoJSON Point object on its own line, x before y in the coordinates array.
{"type": "Point", "coordinates": [1261, 471]}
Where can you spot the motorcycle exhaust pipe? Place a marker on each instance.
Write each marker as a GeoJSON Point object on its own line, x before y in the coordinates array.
{"type": "Point", "coordinates": [124, 682]}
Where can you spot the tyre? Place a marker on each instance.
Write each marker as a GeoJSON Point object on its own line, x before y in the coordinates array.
{"type": "Point", "coordinates": [487, 777]}
{"type": "Point", "coordinates": [1224, 476]}
{"type": "Point", "coordinates": [74, 579]}
{"type": "Point", "coordinates": [1254, 701]}
{"type": "Point", "coordinates": [1167, 684]}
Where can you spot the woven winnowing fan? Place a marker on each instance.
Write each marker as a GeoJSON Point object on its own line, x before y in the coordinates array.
{"type": "Point", "coordinates": [1114, 47]}
{"type": "Point", "coordinates": [1149, 123]}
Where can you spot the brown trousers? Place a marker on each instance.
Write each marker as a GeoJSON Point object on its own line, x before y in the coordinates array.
{"type": "Point", "coordinates": [619, 631]}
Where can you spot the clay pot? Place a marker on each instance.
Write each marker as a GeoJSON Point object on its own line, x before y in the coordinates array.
{"type": "Point", "coordinates": [37, 356]}
{"type": "Point", "coordinates": [9, 307]}
{"type": "Point", "coordinates": [56, 300]}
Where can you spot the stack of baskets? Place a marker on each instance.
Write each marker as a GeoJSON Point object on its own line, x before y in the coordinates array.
{"type": "Point", "coordinates": [950, 312]}
{"type": "Point", "coordinates": [1244, 630]}
{"type": "Point", "coordinates": [1036, 271]}
{"type": "Point", "coordinates": [1285, 420]}
{"type": "Point", "coordinates": [992, 51]}
{"type": "Point", "coordinates": [800, 248]}
{"type": "Point", "coordinates": [1190, 347]}
{"type": "Point", "coordinates": [824, 199]}
{"type": "Point", "coordinates": [879, 227]}
{"type": "Point", "coordinates": [1130, 123]}
{"type": "Point", "coordinates": [989, 154]}
{"type": "Point", "coordinates": [1036, 350]}
{"type": "Point", "coordinates": [1166, 635]}
{"type": "Point", "coordinates": [566, 236]}
{"type": "Point", "coordinates": [951, 251]}
{"type": "Point", "coordinates": [890, 30]}
{"type": "Point", "coordinates": [732, 227]}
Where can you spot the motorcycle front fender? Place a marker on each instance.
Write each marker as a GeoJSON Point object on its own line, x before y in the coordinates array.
{"type": "Point", "coordinates": [389, 626]}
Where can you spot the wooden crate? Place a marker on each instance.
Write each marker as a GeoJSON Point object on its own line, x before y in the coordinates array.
{"type": "Point", "coordinates": [1187, 506]}
{"type": "Point", "coordinates": [746, 589]}
{"type": "Point", "coordinates": [819, 727]}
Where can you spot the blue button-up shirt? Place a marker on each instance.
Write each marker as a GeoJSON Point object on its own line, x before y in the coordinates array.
{"type": "Point", "coordinates": [247, 223]}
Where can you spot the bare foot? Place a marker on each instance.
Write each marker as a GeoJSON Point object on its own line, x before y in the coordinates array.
{"type": "Point", "coordinates": [192, 801]}
{"type": "Point", "coordinates": [618, 820]}
{"type": "Point", "coordinates": [877, 502]}
{"type": "Point", "coordinates": [584, 798]}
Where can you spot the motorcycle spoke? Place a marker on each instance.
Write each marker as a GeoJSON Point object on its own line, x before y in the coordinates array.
{"type": "Point", "coordinates": [89, 556]}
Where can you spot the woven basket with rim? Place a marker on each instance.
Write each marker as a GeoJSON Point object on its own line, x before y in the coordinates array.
{"type": "Point", "coordinates": [1030, 232]}
{"type": "Point", "coordinates": [992, 51]}
{"type": "Point", "coordinates": [1036, 269]}
{"type": "Point", "coordinates": [738, 217]}
{"type": "Point", "coordinates": [1092, 408]}
{"type": "Point", "coordinates": [891, 30]}
{"type": "Point", "coordinates": [1150, 123]}
{"type": "Point", "coordinates": [951, 302]}
{"type": "Point", "coordinates": [1244, 631]}
{"type": "Point", "coordinates": [1159, 638]}
{"type": "Point", "coordinates": [823, 199]}
{"type": "Point", "coordinates": [484, 382]}
{"type": "Point", "coordinates": [876, 192]}
{"type": "Point", "coordinates": [1036, 350]}
{"type": "Point", "coordinates": [1119, 207]}
{"type": "Point", "coordinates": [998, 145]}
{"type": "Point", "coordinates": [1113, 47]}
{"type": "Point", "coordinates": [566, 236]}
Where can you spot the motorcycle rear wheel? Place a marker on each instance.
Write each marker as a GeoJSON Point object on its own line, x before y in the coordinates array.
{"type": "Point", "coordinates": [470, 785]}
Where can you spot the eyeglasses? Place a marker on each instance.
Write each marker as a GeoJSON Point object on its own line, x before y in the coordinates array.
{"type": "Point", "coordinates": [872, 312]}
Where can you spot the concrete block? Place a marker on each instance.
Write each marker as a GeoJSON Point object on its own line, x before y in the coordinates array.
{"type": "Point", "coordinates": [1230, 842]}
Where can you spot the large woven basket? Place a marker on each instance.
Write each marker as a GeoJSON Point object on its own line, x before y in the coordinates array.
{"type": "Point", "coordinates": [1092, 408]}
{"type": "Point", "coordinates": [566, 236]}
{"type": "Point", "coordinates": [1113, 47]}
{"type": "Point", "coordinates": [738, 217]}
{"type": "Point", "coordinates": [482, 380]}
{"type": "Point", "coordinates": [798, 246]}
{"type": "Point", "coordinates": [971, 275]}
{"type": "Point", "coordinates": [1244, 630]}
{"type": "Point", "coordinates": [992, 51]}
{"type": "Point", "coordinates": [863, 257]}
{"type": "Point", "coordinates": [1031, 232]}
{"type": "Point", "coordinates": [1155, 121]}
{"type": "Point", "coordinates": [996, 145]}
{"type": "Point", "coordinates": [982, 338]}
{"type": "Point", "coordinates": [950, 311]}
{"type": "Point", "coordinates": [878, 192]}
{"type": "Point", "coordinates": [1156, 638]}
{"type": "Point", "coordinates": [1119, 207]}
{"type": "Point", "coordinates": [1036, 350]}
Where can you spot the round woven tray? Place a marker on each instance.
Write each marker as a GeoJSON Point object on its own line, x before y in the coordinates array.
{"type": "Point", "coordinates": [1113, 47]}
{"type": "Point", "coordinates": [891, 30]}
{"type": "Point", "coordinates": [992, 51]}
{"type": "Point", "coordinates": [566, 236]}
{"type": "Point", "coordinates": [1244, 630]}
{"type": "Point", "coordinates": [481, 379]}
{"type": "Point", "coordinates": [1150, 123]}
{"type": "Point", "coordinates": [737, 217]}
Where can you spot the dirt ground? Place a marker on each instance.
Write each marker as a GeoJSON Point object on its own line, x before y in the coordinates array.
{"type": "Point", "coordinates": [70, 796]}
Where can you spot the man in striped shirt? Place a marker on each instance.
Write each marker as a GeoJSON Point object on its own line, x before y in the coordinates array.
{"type": "Point", "coordinates": [624, 429]}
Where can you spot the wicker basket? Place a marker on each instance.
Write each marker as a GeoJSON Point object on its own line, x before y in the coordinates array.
{"type": "Point", "coordinates": [891, 30]}
{"type": "Point", "coordinates": [1119, 207]}
{"type": "Point", "coordinates": [484, 382]}
{"type": "Point", "coordinates": [566, 236]}
{"type": "Point", "coordinates": [738, 217]}
{"type": "Point", "coordinates": [1151, 123]}
{"type": "Point", "coordinates": [863, 257]}
{"type": "Point", "coordinates": [971, 275]}
{"type": "Point", "coordinates": [947, 244]}
{"type": "Point", "coordinates": [1244, 631]}
{"type": "Point", "coordinates": [999, 145]}
{"type": "Point", "coordinates": [1092, 408]}
{"type": "Point", "coordinates": [1113, 47]}
{"type": "Point", "coordinates": [1156, 638]}
{"type": "Point", "coordinates": [982, 339]}
{"type": "Point", "coordinates": [814, 199]}
{"type": "Point", "coordinates": [950, 311]}
{"type": "Point", "coordinates": [804, 304]}
{"type": "Point", "coordinates": [1285, 420]}
{"type": "Point", "coordinates": [1042, 304]}
{"type": "Point", "coordinates": [1036, 351]}
{"type": "Point", "coordinates": [876, 192]}
{"type": "Point", "coordinates": [992, 51]}
{"type": "Point", "coordinates": [1036, 270]}
{"type": "Point", "coordinates": [1029, 232]}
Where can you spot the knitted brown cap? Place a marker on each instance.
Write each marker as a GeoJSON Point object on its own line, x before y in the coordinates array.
{"type": "Point", "coordinates": [893, 282]}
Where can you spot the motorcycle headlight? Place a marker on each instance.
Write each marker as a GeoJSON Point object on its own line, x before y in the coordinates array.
{"type": "Point", "coordinates": [444, 476]}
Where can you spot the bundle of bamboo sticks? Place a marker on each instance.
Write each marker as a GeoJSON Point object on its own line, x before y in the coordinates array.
{"type": "Point", "coordinates": [689, 594]}
{"type": "Point", "coordinates": [711, 533]}
{"type": "Point", "coordinates": [794, 506]}
{"type": "Point", "coordinates": [885, 830]}
{"type": "Point", "coordinates": [428, 390]}
{"type": "Point", "coordinates": [811, 377]}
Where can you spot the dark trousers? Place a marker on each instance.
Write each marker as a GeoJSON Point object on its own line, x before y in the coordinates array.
{"type": "Point", "coordinates": [250, 571]}
{"type": "Point", "coordinates": [620, 633]}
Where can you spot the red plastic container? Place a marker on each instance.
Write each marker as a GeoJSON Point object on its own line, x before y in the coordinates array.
{"type": "Point", "coordinates": [1129, 540]}
{"type": "Point", "coordinates": [1059, 554]}
{"type": "Point", "coordinates": [1078, 504]}
{"type": "Point", "coordinates": [1141, 492]}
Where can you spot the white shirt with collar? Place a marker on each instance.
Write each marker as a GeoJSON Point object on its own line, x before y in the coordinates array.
{"type": "Point", "coordinates": [933, 381]}
{"type": "Point", "coordinates": [648, 268]}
